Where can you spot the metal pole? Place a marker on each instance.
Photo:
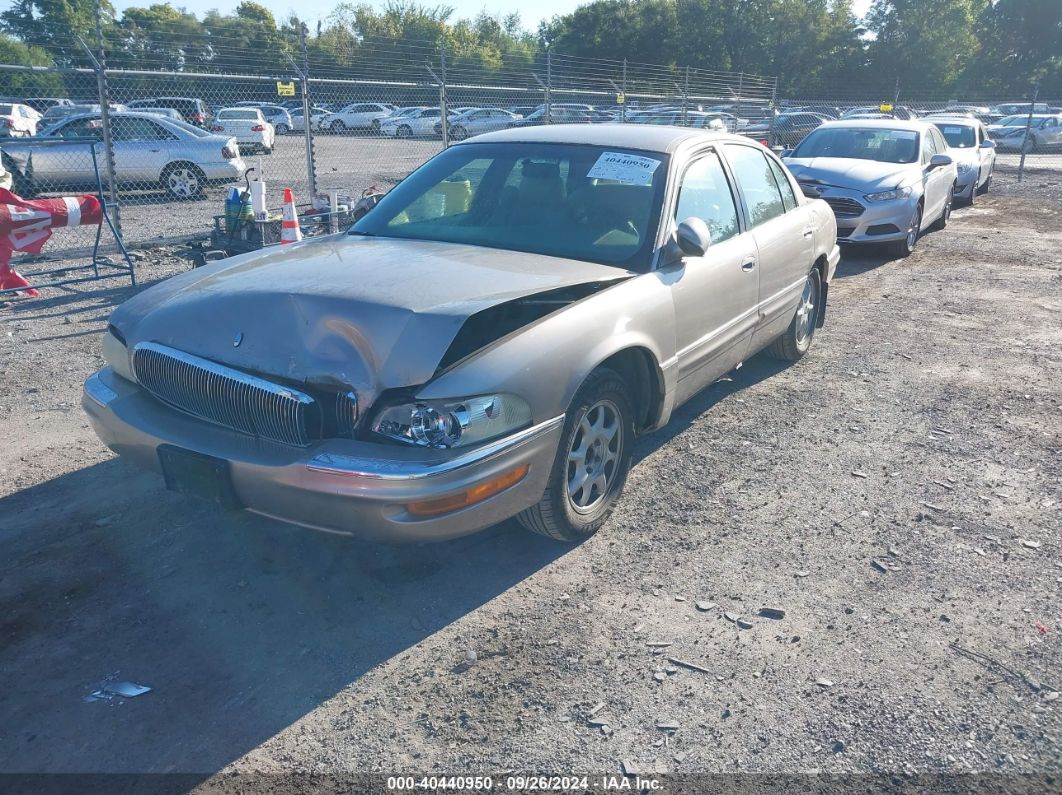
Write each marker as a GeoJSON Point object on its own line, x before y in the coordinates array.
{"type": "Point", "coordinates": [895, 98]}
{"type": "Point", "coordinates": [770, 118]}
{"type": "Point", "coordinates": [685, 97]}
{"type": "Point", "coordinates": [444, 113]}
{"type": "Point", "coordinates": [1025, 138]}
{"type": "Point", "coordinates": [105, 117]}
{"type": "Point", "coordinates": [548, 110]}
{"type": "Point", "coordinates": [623, 107]}
{"type": "Point", "coordinates": [311, 164]}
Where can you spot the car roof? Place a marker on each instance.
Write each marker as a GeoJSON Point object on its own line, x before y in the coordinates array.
{"type": "Point", "coordinates": [969, 121]}
{"type": "Point", "coordinates": [663, 139]}
{"type": "Point", "coordinates": [885, 124]}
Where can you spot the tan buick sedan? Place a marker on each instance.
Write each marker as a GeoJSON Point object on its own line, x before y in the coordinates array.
{"type": "Point", "coordinates": [485, 343]}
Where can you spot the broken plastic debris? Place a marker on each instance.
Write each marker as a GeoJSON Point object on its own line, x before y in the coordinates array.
{"type": "Point", "coordinates": [126, 689]}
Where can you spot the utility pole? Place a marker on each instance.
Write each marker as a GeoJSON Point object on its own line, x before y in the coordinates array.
{"type": "Point", "coordinates": [1025, 138]}
{"type": "Point", "coordinates": [548, 110]}
{"type": "Point", "coordinates": [311, 161]}
{"type": "Point", "coordinates": [100, 62]}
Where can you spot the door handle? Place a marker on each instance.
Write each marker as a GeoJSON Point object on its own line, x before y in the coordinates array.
{"type": "Point", "coordinates": [748, 264]}
{"type": "Point", "coordinates": [809, 232]}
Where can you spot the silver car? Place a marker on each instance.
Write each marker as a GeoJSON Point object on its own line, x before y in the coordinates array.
{"type": "Point", "coordinates": [149, 151]}
{"type": "Point", "coordinates": [485, 343]}
{"type": "Point", "coordinates": [887, 180]}
{"type": "Point", "coordinates": [480, 120]}
{"type": "Point", "coordinates": [974, 155]}
{"type": "Point", "coordinates": [1045, 132]}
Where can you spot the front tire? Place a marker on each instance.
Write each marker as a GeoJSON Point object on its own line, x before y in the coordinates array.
{"type": "Point", "coordinates": [797, 339]}
{"type": "Point", "coordinates": [984, 188]}
{"type": "Point", "coordinates": [404, 132]}
{"type": "Point", "coordinates": [592, 462]}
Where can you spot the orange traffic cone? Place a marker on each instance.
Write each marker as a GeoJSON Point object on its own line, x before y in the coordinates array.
{"type": "Point", "coordinates": [289, 227]}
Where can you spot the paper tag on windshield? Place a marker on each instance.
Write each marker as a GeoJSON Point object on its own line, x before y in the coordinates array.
{"type": "Point", "coordinates": [952, 130]}
{"type": "Point", "coordinates": [624, 168]}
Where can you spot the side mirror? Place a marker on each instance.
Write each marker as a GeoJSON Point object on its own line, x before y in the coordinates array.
{"type": "Point", "coordinates": [786, 152]}
{"type": "Point", "coordinates": [938, 161]}
{"type": "Point", "coordinates": [988, 144]}
{"type": "Point", "coordinates": [693, 237]}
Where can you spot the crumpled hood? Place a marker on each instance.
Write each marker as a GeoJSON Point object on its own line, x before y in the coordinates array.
{"type": "Point", "coordinates": [1004, 130]}
{"type": "Point", "coordinates": [867, 176]}
{"type": "Point", "coordinates": [363, 313]}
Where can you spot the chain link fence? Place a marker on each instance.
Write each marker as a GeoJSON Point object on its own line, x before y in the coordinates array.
{"type": "Point", "coordinates": [172, 139]}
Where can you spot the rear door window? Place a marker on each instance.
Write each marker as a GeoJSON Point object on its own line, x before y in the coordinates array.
{"type": "Point", "coordinates": [762, 197]}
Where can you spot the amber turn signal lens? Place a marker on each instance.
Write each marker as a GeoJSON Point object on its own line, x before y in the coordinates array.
{"type": "Point", "coordinates": [471, 496]}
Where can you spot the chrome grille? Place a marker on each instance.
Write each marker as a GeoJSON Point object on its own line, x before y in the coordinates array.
{"type": "Point", "coordinates": [844, 207]}
{"type": "Point", "coordinates": [346, 413]}
{"type": "Point", "coordinates": [224, 396]}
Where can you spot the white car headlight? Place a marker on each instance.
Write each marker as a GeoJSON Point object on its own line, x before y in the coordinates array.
{"type": "Point", "coordinates": [453, 423]}
{"type": "Point", "coordinates": [116, 354]}
{"type": "Point", "coordinates": [964, 167]}
{"type": "Point", "coordinates": [888, 195]}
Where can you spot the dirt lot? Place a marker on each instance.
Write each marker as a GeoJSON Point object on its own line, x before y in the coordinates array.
{"type": "Point", "coordinates": [896, 494]}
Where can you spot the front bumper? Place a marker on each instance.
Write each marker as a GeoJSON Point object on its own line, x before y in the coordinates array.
{"type": "Point", "coordinates": [879, 222]}
{"type": "Point", "coordinates": [344, 486]}
{"type": "Point", "coordinates": [966, 183]}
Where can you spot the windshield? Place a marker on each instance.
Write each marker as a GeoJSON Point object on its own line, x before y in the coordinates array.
{"type": "Point", "coordinates": [1018, 120]}
{"type": "Point", "coordinates": [579, 202]}
{"type": "Point", "coordinates": [958, 136]}
{"type": "Point", "coordinates": [882, 145]}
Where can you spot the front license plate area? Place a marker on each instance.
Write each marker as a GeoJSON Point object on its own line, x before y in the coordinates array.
{"type": "Point", "coordinates": [199, 475]}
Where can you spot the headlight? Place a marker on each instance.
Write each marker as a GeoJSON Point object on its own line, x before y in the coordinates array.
{"type": "Point", "coordinates": [453, 423]}
{"type": "Point", "coordinates": [117, 356]}
{"type": "Point", "coordinates": [888, 195]}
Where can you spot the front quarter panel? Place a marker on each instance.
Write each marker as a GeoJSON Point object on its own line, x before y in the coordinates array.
{"type": "Point", "coordinates": [546, 362]}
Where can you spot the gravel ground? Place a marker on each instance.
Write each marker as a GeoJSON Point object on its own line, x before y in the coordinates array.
{"type": "Point", "coordinates": [896, 495]}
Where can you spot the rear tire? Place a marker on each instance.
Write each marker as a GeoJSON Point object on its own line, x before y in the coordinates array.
{"type": "Point", "coordinates": [796, 341]}
{"type": "Point", "coordinates": [592, 462]}
{"type": "Point", "coordinates": [183, 181]}
{"type": "Point", "coordinates": [903, 248]}
{"type": "Point", "coordinates": [945, 214]}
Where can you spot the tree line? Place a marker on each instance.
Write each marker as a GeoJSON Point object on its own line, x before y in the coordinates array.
{"type": "Point", "coordinates": [816, 48]}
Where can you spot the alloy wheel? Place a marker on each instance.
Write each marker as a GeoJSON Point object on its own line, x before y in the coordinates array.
{"type": "Point", "coordinates": [593, 456]}
{"type": "Point", "coordinates": [183, 182]}
{"type": "Point", "coordinates": [807, 312]}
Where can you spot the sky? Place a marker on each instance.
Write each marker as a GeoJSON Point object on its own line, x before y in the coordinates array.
{"type": "Point", "coordinates": [464, 9]}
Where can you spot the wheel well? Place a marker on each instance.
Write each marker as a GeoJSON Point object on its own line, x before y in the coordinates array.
{"type": "Point", "coordinates": [166, 169]}
{"type": "Point", "coordinates": [639, 369]}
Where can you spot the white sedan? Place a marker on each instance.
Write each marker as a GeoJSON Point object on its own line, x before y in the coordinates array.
{"type": "Point", "coordinates": [415, 123]}
{"type": "Point", "coordinates": [248, 126]}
